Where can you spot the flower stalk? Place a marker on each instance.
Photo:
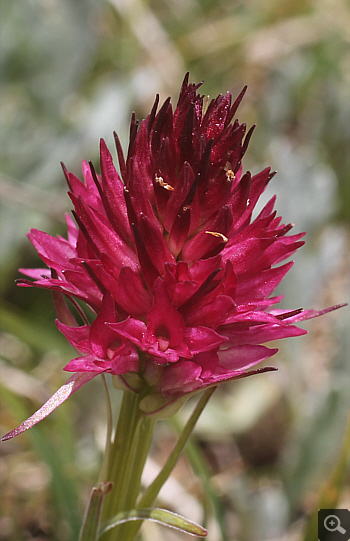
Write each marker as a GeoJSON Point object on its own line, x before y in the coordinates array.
{"type": "Point", "coordinates": [127, 460]}
{"type": "Point", "coordinates": [103, 475]}
{"type": "Point", "coordinates": [128, 455]}
{"type": "Point", "coordinates": [149, 496]}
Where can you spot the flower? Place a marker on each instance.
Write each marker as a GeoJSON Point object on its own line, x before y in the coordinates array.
{"type": "Point", "coordinates": [170, 259]}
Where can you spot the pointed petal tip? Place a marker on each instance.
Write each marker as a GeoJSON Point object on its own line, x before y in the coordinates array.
{"type": "Point", "coordinates": [72, 384]}
{"type": "Point", "coordinates": [311, 314]}
{"type": "Point", "coordinates": [16, 432]}
{"type": "Point", "coordinates": [7, 436]}
{"type": "Point", "coordinates": [103, 144]}
{"type": "Point", "coordinates": [64, 168]}
{"type": "Point", "coordinates": [330, 309]}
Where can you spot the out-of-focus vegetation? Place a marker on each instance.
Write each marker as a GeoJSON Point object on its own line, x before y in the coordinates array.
{"type": "Point", "coordinates": [267, 449]}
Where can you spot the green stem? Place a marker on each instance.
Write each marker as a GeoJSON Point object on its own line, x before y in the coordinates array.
{"type": "Point", "coordinates": [106, 458]}
{"type": "Point", "coordinates": [138, 460]}
{"type": "Point", "coordinates": [127, 459]}
{"type": "Point", "coordinates": [152, 491]}
{"type": "Point", "coordinates": [120, 451]}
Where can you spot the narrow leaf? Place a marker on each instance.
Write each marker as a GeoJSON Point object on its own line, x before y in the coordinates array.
{"type": "Point", "coordinates": [90, 526]}
{"type": "Point", "coordinates": [161, 516]}
{"type": "Point", "coordinates": [152, 491]}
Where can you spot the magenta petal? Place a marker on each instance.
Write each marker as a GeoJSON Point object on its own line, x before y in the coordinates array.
{"type": "Point", "coordinates": [132, 294]}
{"type": "Point", "coordinates": [203, 268]}
{"type": "Point", "coordinates": [215, 379]}
{"type": "Point", "coordinates": [79, 189]}
{"type": "Point", "coordinates": [214, 312]}
{"type": "Point", "coordinates": [85, 364]}
{"type": "Point", "coordinates": [310, 314]}
{"type": "Point", "coordinates": [72, 231]}
{"type": "Point", "coordinates": [100, 334]}
{"type": "Point", "coordinates": [183, 376]}
{"type": "Point", "coordinates": [202, 245]}
{"type": "Point", "coordinates": [260, 284]}
{"type": "Point", "coordinates": [259, 334]}
{"type": "Point", "coordinates": [130, 328]}
{"type": "Point", "coordinates": [71, 386]}
{"type": "Point", "coordinates": [278, 251]}
{"type": "Point", "coordinates": [208, 361]}
{"type": "Point", "coordinates": [102, 235]}
{"type": "Point", "coordinates": [243, 357]}
{"type": "Point", "coordinates": [88, 178]}
{"type": "Point", "coordinates": [201, 339]}
{"type": "Point", "coordinates": [37, 274]}
{"type": "Point", "coordinates": [125, 363]}
{"type": "Point", "coordinates": [164, 321]}
{"type": "Point", "coordinates": [179, 230]}
{"type": "Point", "coordinates": [78, 337]}
{"type": "Point", "coordinates": [139, 181]}
{"type": "Point", "coordinates": [244, 254]}
{"type": "Point", "coordinates": [179, 195]}
{"type": "Point", "coordinates": [113, 190]}
{"type": "Point", "coordinates": [214, 121]}
{"type": "Point", "coordinates": [56, 253]}
{"type": "Point", "coordinates": [155, 244]}
{"type": "Point", "coordinates": [81, 285]}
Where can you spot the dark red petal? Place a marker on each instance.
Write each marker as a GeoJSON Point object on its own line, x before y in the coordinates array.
{"type": "Point", "coordinates": [155, 244]}
{"type": "Point", "coordinates": [164, 321]}
{"type": "Point", "coordinates": [103, 236]}
{"type": "Point", "coordinates": [236, 104]}
{"type": "Point", "coordinates": [132, 295]}
{"type": "Point", "coordinates": [260, 284]}
{"type": "Point", "coordinates": [78, 337]}
{"type": "Point", "coordinates": [56, 253]}
{"type": "Point", "coordinates": [214, 120]}
{"type": "Point", "coordinates": [201, 339]}
{"type": "Point", "coordinates": [150, 273]}
{"type": "Point", "coordinates": [178, 196]}
{"type": "Point", "coordinates": [182, 376]}
{"type": "Point", "coordinates": [101, 335]}
{"type": "Point", "coordinates": [259, 334]}
{"type": "Point", "coordinates": [113, 194]}
{"type": "Point", "coordinates": [86, 364]}
{"type": "Point", "coordinates": [244, 356]}
{"type": "Point", "coordinates": [210, 314]}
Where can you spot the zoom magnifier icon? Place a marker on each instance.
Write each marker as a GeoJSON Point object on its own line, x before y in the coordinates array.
{"type": "Point", "coordinates": [332, 524]}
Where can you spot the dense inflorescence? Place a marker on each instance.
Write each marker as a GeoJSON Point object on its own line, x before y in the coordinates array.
{"type": "Point", "coordinates": [169, 257]}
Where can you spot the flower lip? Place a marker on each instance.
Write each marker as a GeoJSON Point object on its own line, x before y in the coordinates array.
{"type": "Point", "coordinates": [162, 335]}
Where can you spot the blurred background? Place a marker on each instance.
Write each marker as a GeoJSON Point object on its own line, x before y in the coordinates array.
{"type": "Point", "coordinates": [270, 450]}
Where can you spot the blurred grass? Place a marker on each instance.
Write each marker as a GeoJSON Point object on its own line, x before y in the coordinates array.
{"type": "Point", "coordinates": [63, 483]}
{"type": "Point", "coordinates": [72, 72]}
{"type": "Point", "coordinates": [333, 486]}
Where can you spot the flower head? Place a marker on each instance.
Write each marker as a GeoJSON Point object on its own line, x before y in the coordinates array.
{"type": "Point", "coordinates": [169, 257]}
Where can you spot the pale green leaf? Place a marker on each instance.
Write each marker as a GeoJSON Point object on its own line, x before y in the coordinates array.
{"type": "Point", "coordinates": [161, 516]}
